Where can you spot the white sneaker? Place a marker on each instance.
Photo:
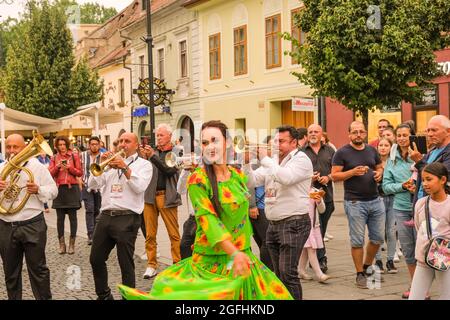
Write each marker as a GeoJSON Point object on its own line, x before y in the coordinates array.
{"type": "Point", "coordinates": [329, 236]}
{"type": "Point", "coordinates": [150, 273]}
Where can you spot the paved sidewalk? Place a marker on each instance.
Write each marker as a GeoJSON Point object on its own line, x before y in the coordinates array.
{"type": "Point", "coordinates": [71, 276]}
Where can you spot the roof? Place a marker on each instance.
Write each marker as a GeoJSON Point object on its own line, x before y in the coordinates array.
{"type": "Point", "coordinates": [191, 3]}
{"type": "Point", "coordinates": [112, 56]}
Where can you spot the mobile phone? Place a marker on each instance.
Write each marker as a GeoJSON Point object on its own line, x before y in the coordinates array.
{"type": "Point", "coordinates": [64, 162]}
{"type": "Point", "coordinates": [421, 143]}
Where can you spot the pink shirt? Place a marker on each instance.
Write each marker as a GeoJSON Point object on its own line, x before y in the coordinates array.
{"type": "Point", "coordinates": [440, 223]}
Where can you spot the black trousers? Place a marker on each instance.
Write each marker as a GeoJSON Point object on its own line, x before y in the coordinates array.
{"type": "Point", "coordinates": [188, 237]}
{"type": "Point", "coordinates": [61, 217]}
{"type": "Point", "coordinates": [260, 225]}
{"type": "Point", "coordinates": [29, 240]}
{"type": "Point", "coordinates": [285, 241]}
{"type": "Point", "coordinates": [120, 231]}
{"type": "Point", "coordinates": [324, 218]}
{"type": "Point", "coordinates": [92, 203]}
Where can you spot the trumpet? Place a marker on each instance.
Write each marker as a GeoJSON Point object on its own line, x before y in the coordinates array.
{"type": "Point", "coordinates": [99, 169]}
{"type": "Point", "coordinates": [173, 161]}
{"type": "Point", "coordinates": [240, 145]}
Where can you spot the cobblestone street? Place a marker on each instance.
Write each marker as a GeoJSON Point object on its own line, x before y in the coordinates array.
{"type": "Point", "coordinates": [65, 270]}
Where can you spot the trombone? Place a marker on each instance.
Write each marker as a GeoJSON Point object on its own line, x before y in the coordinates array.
{"type": "Point", "coordinates": [99, 169]}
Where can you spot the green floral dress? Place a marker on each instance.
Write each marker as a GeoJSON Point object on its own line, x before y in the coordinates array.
{"type": "Point", "coordinates": [207, 275]}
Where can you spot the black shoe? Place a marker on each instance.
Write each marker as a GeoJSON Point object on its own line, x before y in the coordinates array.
{"type": "Point", "coordinates": [323, 265]}
{"type": "Point", "coordinates": [390, 266]}
{"type": "Point", "coordinates": [379, 264]}
{"type": "Point", "coordinates": [107, 297]}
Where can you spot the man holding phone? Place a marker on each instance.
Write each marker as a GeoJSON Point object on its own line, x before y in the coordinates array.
{"type": "Point", "coordinates": [438, 134]}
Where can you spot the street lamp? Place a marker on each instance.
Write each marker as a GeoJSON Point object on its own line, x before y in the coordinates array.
{"type": "Point", "coordinates": [149, 41]}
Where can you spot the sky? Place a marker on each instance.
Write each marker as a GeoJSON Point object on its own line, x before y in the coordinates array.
{"type": "Point", "coordinates": [13, 8]}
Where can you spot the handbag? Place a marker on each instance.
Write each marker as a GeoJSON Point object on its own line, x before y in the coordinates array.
{"type": "Point", "coordinates": [437, 253]}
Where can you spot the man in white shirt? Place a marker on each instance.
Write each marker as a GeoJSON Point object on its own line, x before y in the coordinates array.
{"type": "Point", "coordinates": [25, 233]}
{"type": "Point", "coordinates": [91, 197]}
{"type": "Point", "coordinates": [287, 181]}
{"type": "Point", "coordinates": [123, 190]}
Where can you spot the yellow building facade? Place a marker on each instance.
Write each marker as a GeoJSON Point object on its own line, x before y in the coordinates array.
{"type": "Point", "coordinates": [246, 79]}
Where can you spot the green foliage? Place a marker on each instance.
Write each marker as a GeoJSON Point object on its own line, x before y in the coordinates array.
{"type": "Point", "coordinates": [366, 68]}
{"type": "Point", "coordinates": [39, 77]}
{"type": "Point", "coordinates": [85, 84]}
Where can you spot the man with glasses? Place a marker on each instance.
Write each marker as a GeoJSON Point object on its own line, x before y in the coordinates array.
{"type": "Point", "coordinates": [91, 197]}
{"type": "Point", "coordinates": [382, 125]}
{"type": "Point", "coordinates": [360, 167]}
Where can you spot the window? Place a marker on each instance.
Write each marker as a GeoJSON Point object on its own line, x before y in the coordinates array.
{"type": "Point", "coordinates": [273, 42]}
{"type": "Point", "coordinates": [121, 93]}
{"type": "Point", "coordinates": [161, 63]}
{"type": "Point", "coordinates": [240, 50]}
{"type": "Point", "coordinates": [142, 67]}
{"type": "Point", "coordinates": [214, 56]}
{"type": "Point", "coordinates": [296, 33]}
{"type": "Point", "coordinates": [144, 5]}
{"type": "Point", "coordinates": [183, 59]}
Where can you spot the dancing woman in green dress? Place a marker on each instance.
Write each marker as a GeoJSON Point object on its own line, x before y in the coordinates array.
{"type": "Point", "coordinates": [222, 265]}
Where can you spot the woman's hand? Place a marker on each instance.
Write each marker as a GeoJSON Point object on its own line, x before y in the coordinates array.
{"type": "Point", "coordinates": [241, 265]}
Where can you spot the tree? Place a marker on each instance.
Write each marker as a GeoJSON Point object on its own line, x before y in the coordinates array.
{"type": "Point", "coordinates": [367, 56]}
{"type": "Point", "coordinates": [85, 86]}
{"type": "Point", "coordinates": [90, 13]}
{"type": "Point", "coordinates": [38, 75]}
{"type": "Point", "coordinates": [10, 30]}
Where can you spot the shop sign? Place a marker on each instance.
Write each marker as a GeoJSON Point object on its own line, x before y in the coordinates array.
{"type": "Point", "coordinates": [445, 67]}
{"type": "Point", "coordinates": [160, 93]}
{"type": "Point", "coordinates": [303, 104]}
{"type": "Point", "coordinates": [429, 98]}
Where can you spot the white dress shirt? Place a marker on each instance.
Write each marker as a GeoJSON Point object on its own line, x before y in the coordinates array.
{"type": "Point", "coordinates": [286, 184]}
{"type": "Point", "coordinates": [131, 196]}
{"type": "Point", "coordinates": [35, 204]}
{"type": "Point", "coordinates": [182, 189]}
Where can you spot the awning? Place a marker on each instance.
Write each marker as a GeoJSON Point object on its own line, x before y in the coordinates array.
{"type": "Point", "coordinates": [75, 132]}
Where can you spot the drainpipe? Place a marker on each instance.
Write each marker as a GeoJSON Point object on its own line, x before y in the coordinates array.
{"type": "Point", "coordinates": [131, 79]}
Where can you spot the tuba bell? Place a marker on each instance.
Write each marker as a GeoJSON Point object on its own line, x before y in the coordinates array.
{"type": "Point", "coordinates": [14, 167]}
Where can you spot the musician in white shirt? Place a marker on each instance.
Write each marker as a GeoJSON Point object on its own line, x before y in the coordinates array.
{"type": "Point", "coordinates": [25, 233]}
{"type": "Point", "coordinates": [123, 187]}
{"type": "Point", "coordinates": [287, 180]}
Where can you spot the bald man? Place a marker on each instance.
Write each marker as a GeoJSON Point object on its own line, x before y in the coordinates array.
{"type": "Point", "coordinates": [25, 233]}
{"type": "Point", "coordinates": [120, 218]}
{"type": "Point", "coordinates": [438, 134]}
{"type": "Point", "coordinates": [321, 155]}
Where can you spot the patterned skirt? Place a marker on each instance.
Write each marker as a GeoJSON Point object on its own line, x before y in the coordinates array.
{"type": "Point", "coordinates": [206, 277]}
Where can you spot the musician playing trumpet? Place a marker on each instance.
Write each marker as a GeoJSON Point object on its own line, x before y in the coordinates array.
{"type": "Point", "coordinates": [123, 187]}
{"type": "Point", "coordinates": [25, 232]}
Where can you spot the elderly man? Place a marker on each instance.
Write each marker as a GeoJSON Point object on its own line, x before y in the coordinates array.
{"type": "Point", "coordinates": [438, 133]}
{"type": "Point", "coordinates": [321, 155]}
{"type": "Point", "coordinates": [161, 198]}
{"type": "Point", "coordinates": [25, 233]}
{"type": "Point", "coordinates": [287, 180]}
{"type": "Point", "coordinates": [360, 167]}
{"type": "Point", "coordinates": [123, 188]}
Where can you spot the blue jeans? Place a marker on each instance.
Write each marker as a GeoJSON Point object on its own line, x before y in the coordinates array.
{"type": "Point", "coordinates": [390, 229]}
{"type": "Point", "coordinates": [362, 213]}
{"type": "Point", "coordinates": [406, 235]}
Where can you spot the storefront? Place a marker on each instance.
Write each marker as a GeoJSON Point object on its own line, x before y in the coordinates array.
{"type": "Point", "coordinates": [436, 100]}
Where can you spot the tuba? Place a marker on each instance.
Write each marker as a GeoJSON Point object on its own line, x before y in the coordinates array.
{"type": "Point", "coordinates": [14, 167]}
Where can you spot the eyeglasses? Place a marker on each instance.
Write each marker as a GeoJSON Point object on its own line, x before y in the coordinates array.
{"type": "Point", "coordinates": [361, 132]}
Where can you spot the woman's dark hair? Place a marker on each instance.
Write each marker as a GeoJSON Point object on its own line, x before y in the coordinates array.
{"type": "Point", "coordinates": [411, 125]}
{"type": "Point", "coordinates": [439, 170]}
{"type": "Point", "coordinates": [209, 168]}
{"type": "Point", "coordinates": [62, 138]}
